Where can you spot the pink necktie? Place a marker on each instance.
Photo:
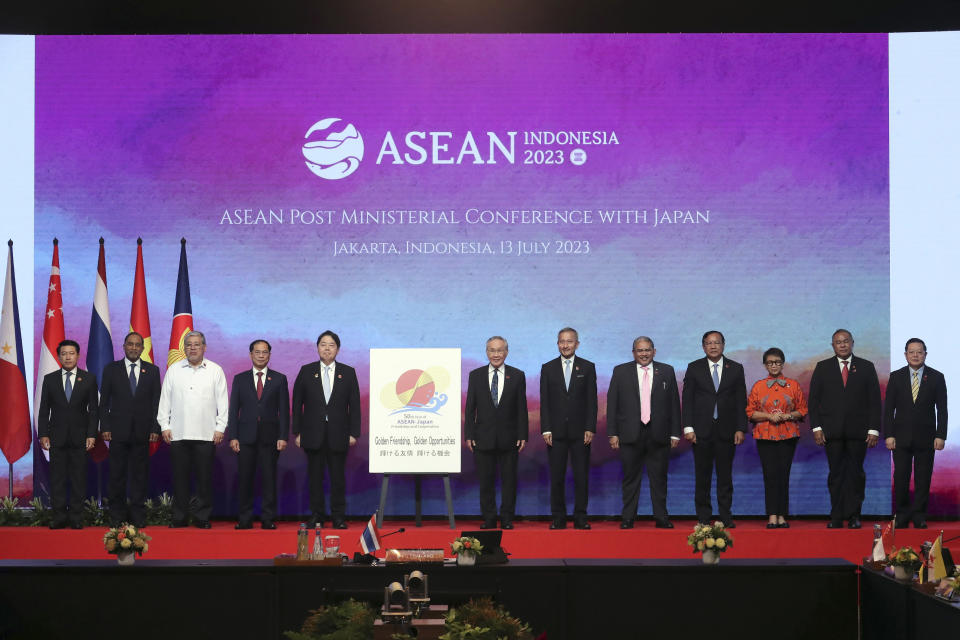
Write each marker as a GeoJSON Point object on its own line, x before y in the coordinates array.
{"type": "Point", "coordinates": [645, 397]}
{"type": "Point", "coordinates": [844, 373]}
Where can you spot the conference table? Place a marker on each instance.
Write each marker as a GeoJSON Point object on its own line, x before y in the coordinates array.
{"type": "Point", "coordinates": [569, 599]}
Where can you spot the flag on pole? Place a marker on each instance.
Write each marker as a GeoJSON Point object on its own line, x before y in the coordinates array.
{"type": "Point", "coordinates": [938, 567]}
{"type": "Point", "coordinates": [182, 310]}
{"type": "Point", "coordinates": [15, 414]}
{"type": "Point", "coordinates": [370, 537]}
{"type": "Point", "coordinates": [100, 343]}
{"type": "Point", "coordinates": [140, 316]}
{"type": "Point", "coordinates": [53, 334]}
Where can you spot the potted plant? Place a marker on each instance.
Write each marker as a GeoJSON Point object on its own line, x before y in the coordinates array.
{"type": "Point", "coordinates": [711, 540]}
{"type": "Point", "coordinates": [466, 549]}
{"type": "Point", "coordinates": [905, 562]}
{"type": "Point", "coordinates": [124, 541]}
{"type": "Point", "coordinates": [481, 619]}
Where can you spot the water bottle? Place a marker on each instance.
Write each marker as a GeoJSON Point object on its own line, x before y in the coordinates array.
{"type": "Point", "coordinates": [318, 543]}
{"type": "Point", "coordinates": [302, 542]}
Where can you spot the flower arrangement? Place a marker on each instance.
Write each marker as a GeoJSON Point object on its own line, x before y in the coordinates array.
{"type": "Point", "coordinates": [466, 545]}
{"type": "Point", "coordinates": [710, 537]}
{"type": "Point", "coordinates": [905, 557]}
{"type": "Point", "coordinates": [124, 538]}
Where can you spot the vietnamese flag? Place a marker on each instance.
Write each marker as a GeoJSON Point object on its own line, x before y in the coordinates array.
{"type": "Point", "coordinates": [15, 413]}
{"type": "Point", "coordinates": [140, 316]}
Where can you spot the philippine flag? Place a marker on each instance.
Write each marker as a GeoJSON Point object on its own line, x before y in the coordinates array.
{"type": "Point", "coordinates": [370, 538]}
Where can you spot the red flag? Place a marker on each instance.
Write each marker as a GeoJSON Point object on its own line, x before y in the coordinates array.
{"type": "Point", "coordinates": [15, 414]}
{"type": "Point", "coordinates": [182, 310]}
{"type": "Point", "coordinates": [140, 316]}
{"type": "Point", "coordinates": [53, 334]}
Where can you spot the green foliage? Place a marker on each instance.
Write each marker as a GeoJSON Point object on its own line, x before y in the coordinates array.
{"type": "Point", "coordinates": [41, 516]}
{"type": "Point", "coordinates": [11, 515]}
{"type": "Point", "coordinates": [159, 513]}
{"type": "Point", "coordinates": [348, 620]}
{"type": "Point", "coordinates": [483, 620]}
{"type": "Point", "coordinates": [93, 513]}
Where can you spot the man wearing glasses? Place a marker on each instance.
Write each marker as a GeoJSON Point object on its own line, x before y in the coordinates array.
{"type": "Point", "coordinates": [714, 420]}
{"type": "Point", "coordinates": [845, 419]}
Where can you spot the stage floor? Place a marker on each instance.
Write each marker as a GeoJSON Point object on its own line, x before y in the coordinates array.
{"type": "Point", "coordinates": [530, 539]}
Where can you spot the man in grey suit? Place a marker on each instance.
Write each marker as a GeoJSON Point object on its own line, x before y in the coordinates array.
{"type": "Point", "coordinates": [643, 422]}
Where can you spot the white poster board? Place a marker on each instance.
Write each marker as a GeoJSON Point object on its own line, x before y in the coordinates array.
{"type": "Point", "coordinates": [415, 411]}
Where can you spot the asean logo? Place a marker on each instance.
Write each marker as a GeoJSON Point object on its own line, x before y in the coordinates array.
{"type": "Point", "coordinates": [332, 152]}
{"type": "Point", "coordinates": [416, 390]}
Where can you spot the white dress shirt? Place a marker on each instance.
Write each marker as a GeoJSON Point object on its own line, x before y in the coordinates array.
{"type": "Point", "coordinates": [193, 401]}
{"type": "Point", "coordinates": [73, 378]}
{"type": "Point", "coordinates": [710, 364]}
{"type": "Point", "coordinates": [136, 368]}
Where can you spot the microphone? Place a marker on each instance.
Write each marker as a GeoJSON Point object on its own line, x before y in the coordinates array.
{"type": "Point", "coordinates": [369, 558]}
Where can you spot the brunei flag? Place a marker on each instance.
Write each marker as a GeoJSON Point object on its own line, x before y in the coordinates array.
{"type": "Point", "coordinates": [182, 310]}
{"type": "Point", "coordinates": [15, 409]}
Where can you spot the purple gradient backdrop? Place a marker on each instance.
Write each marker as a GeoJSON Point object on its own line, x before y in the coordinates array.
{"type": "Point", "coordinates": [782, 138]}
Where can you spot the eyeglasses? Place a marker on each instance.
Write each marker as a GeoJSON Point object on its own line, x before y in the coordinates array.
{"type": "Point", "coordinates": [773, 363]}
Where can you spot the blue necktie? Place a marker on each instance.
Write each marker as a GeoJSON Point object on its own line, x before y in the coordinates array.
{"type": "Point", "coordinates": [68, 387]}
{"type": "Point", "coordinates": [716, 385]}
{"type": "Point", "coordinates": [566, 374]}
{"type": "Point", "coordinates": [133, 380]}
{"type": "Point", "coordinates": [495, 390]}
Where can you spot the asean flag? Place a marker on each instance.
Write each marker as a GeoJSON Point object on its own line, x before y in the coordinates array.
{"type": "Point", "coordinates": [15, 414]}
{"type": "Point", "coordinates": [182, 310]}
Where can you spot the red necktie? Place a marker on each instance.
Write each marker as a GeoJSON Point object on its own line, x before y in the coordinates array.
{"type": "Point", "coordinates": [845, 373]}
{"type": "Point", "coordinates": [260, 384]}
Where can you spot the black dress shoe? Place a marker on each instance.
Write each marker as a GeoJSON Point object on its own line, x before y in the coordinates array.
{"type": "Point", "coordinates": [772, 525]}
{"type": "Point", "coordinates": [854, 523]}
{"type": "Point", "coordinates": [920, 524]}
{"type": "Point", "coordinates": [581, 524]}
{"type": "Point", "coordinates": [729, 524]}
{"type": "Point", "coordinates": [339, 524]}
{"type": "Point", "coordinates": [835, 524]}
{"type": "Point", "coordinates": [663, 523]}
{"type": "Point", "coordinates": [626, 524]}
{"type": "Point", "coordinates": [268, 524]}
{"type": "Point", "coordinates": [203, 524]}
{"type": "Point", "coordinates": [178, 524]}
{"type": "Point", "coordinates": [558, 524]}
{"type": "Point", "coordinates": [488, 524]}
{"type": "Point", "coordinates": [506, 524]}
{"type": "Point", "coordinates": [243, 525]}
{"type": "Point", "coordinates": [783, 525]}
{"type": "Point", "coordinates": [58, 525]}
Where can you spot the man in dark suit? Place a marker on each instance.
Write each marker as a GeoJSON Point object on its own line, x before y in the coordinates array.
{"type": "Point", "coordinates": [643, 422]}
{"type": "Point", "coordinates": [915, 425]}
{"type": "Point", "coordinates": [845, 411]}
{"type": "Point", "coordinates": [326, 422]}
{"type": "Point", "coordinates": [257, 430]}
{"type": "Point", "coordinates": [568, 422]}
{"type": "Point", "coordinates": [495, 426]}
{"type": "Point", "coordinates": [714, 420]}
{"type": "Point", "coordinates": [67, 427]}
{"type": "Point", "coordinates": [129, 400]}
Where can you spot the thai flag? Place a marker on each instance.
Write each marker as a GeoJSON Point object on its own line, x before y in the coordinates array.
{"type": "Point", "coordinates": [100, 344]}
{"type": "Point", "coordinates": [15, 415]}
{"type": "Point", "coordinates": [370, 538]}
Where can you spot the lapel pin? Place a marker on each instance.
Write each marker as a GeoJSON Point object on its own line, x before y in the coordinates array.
{"type": "Point", "coordinates": [269, 378]}
{"type": "Point", "coordinates": [339, 376]}
{"type": "Point", "coordinates": [316, 375]}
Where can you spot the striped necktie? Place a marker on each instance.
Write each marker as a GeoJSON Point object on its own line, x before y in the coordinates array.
{"type": "Point", "coordinates": [915, 385]}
